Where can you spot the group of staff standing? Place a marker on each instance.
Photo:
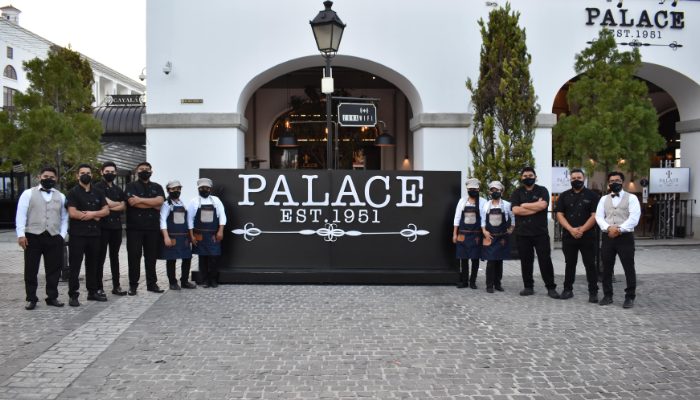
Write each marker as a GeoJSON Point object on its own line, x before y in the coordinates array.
{"type": "Point", "coordinates": [486, 229]}
{"type": "Point", "coordinates": [157, 227]}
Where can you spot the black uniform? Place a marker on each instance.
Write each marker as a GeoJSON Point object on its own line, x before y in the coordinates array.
{"type": "Point", "coordinates": [532, 235]}
{"type": "Point", "coordinates": [84, 239]}
{"type": "Point", "coordinates": [142, 233]}
{"type": "Point", "coordinates": [577, 209]}
{"type": "Point", "coordinates": [111, 236]}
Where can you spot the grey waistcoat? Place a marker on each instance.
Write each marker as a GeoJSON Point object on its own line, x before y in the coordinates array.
{"type": "Point", "coordinates": [42, 215]}
{"type": "Point", "coordinates": [617, 215]}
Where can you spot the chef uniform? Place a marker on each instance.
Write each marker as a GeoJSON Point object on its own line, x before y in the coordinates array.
{"type": "Point", "coordinates": [467, 234]}
{"type": "Point", "coordinates": [173, 225]}
{"type": "Point", "coordinates": [496, 219]}
{"type": "Point", "coordinates": [206, 219]}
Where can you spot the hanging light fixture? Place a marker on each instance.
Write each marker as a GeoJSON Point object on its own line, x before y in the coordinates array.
{"type": "Point", "coordinates": [287, 138]}
{"type": "Point", "coordinates": [385, 139]}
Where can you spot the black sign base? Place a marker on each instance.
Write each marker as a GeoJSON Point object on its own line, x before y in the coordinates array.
{"type": "Point", "coordinates": [374, 276]}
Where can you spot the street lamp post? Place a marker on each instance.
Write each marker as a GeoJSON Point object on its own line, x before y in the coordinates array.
{"type": "Point", "coordinates": [328, 31]}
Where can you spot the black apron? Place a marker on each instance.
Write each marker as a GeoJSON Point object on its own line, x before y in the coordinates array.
{"type": "Point", "coordinates": [470, 231]}
{"type": "Point", "coordinates": [497, 223]}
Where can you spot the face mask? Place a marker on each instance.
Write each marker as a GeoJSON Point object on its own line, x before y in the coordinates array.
{"type": "Point", "coordinates": [175, 195]}
{"type": "Point", "coordinates": [528, 181]}
{"type": "Point", "coordinates": [204, 193]}
{"type": "Point", "coordinates": [85, 179]}
{"type": "Point", "coordinates": [109, 177]}
{"type": "Point", "coordinates": [577, 184]}
{"type": "Point", "coordinates": [496, 195]}
{"type": "Point", "coordinates": [473, 193]}
{"type": "Point", "coordinates": [48, 183]}
{"type": "Point", "coordinates": [616, 187]}
{"type": "Point", "coordinates": [144, 175]}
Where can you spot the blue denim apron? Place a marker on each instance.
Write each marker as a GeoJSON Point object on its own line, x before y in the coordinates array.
{"type": "Point", "coordinates": [470, 227]}
{"type": "Point", "coordinates": [177, 230]}
{"type": "Point", "coordinates": [497, 223]}
{"type": "Point", "coordinates": [206, 223]}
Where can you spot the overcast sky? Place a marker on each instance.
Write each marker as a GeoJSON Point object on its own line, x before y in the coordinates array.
{"type": "Point", "coordinates": [112, 32]}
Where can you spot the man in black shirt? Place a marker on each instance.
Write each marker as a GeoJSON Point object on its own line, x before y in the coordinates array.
{"type": "Point", "coordinates": [86, 206]}
{"type": "Point", "coordinates": [576, 213]}
{"type": "Point", "coordinates": [144, 199]}
{"type": "Point", "coordinates": [111, 226]}
{"type": "Point", "coordinates": [529, 204]}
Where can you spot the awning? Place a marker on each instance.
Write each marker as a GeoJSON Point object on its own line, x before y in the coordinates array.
{"type": "Point", "coordinates": [120, 119]}
{"type": "Point", "coordinates": [125, 155]}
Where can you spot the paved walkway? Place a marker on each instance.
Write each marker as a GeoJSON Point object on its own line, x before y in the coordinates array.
{"type": "Point", "coordinates": [377, 342]}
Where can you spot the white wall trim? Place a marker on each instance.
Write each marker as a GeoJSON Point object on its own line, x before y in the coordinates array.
{"type": "Point", "coordinates": [195, 120]}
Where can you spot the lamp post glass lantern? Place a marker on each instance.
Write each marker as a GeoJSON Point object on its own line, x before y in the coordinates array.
{"type": "Point", "coordinates": [328, 31]}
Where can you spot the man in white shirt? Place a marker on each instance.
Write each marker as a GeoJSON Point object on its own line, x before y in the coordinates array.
{"type": "Point", "coordinates": [617, 215]}
{"type": "Point", "coordinates": [42, 226]}
{"type": "Point", "coordinates": [206, 219]}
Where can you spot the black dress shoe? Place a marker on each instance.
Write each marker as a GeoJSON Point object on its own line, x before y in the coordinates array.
{"type": "Point", "coordinates": [154, 289]}
{"type": "Point", "coordinates": [214, 284]}
{"type": "Point", "coordinates": [499, 288]}
{"type": "Point", "coordinates": [566, 294]}
{"type": "Point", "coordinates": [73, 302]}
{"type": "Point", "coordinates": [489, 290]}
{"type": "Point", "coordinates": [174, 286]}
{"type": "Point", "coordinates": [605, 301]}
{"type": "Point", "coordinates": [118, 291]}
{"type": "Point", "coordinates": [54, 302]}
{"type": "Point", "coordinates": [205, 285]}
{"type": "Point", "coordinates": [527, 292]}
{"type": "Point", "coordinates": [472, 285]}
{"type": "Point", "coordinates": [132, 291]}
{"type": "Point", "coordinates": [553, 293]}
{"type": "Point", "coordinates": [188, 285]}
{"type": "Point", "coordinates": [461, 285]}
{"type": "Point", "coordinates": [30, 305]}
{"type": "Point", "coordinates": [629, 303]}
{"type": "Point", "coordinates": [593, 298]}
{"type": "Point", "coordinates": [96, 297]}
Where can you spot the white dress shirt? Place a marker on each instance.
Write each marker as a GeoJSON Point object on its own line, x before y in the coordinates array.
{"type": "Point", "coordinates": [634, 209]}
{"type": "Point", "coordinates": [503, 205]}
{"type": "Point", "coordinates": [23, 207]}
{"type": "Point", "coordinates": [460, 207]}
{"type": "Point", "coordinates": [194, 204]}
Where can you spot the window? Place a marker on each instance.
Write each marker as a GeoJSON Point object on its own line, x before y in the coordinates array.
{"type": "Point", "coordinates": [10, 52]}
{"type": "Point", "coordinates": [10, 72]}
{"type": "Point", "coordinates": [8, 97]}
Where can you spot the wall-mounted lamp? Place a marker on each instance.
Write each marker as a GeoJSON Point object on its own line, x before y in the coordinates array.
{"type": "Point", "coordinates": [168, 68]}
{"type": "Point", "coordinates": [385, 139]}
{"type": "Point", "coordinates": [142, 75]}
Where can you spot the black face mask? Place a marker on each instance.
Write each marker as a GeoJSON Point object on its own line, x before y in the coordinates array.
{"type": "Point", "coordinates": [144, 175]}
{"type": "Point", "coordinates": [204, 193]}
{"type": "Point", "coordinates": [48, 183]}
{"type": "Point", "coordinates": [528, 181]}
{"type": "Point", "coordinates": [473, 193]}
{"type": "Point", "coordinates": [495, 195]}
{"type": "Point", "coordinates": [578, 185]}
{"type": "Point", "coordinates": [85, 179]}
{"type": "Point", "coordinates": [616, 187]}
{"type": "Point", "coordinates": [175, 195]}
{"type": "Point", "coordinates": [109, 177]}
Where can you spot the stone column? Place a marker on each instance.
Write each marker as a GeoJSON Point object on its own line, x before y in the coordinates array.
{"type": "Point", "coordinates": [690, 144]}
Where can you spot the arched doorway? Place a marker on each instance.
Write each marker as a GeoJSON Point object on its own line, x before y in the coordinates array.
{"type": "Point", "coordinates": [290, 96]}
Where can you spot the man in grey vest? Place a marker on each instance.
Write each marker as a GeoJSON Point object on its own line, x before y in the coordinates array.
{"type": "Point", "coordinates": [617, 215]}
{"type": "Point", "coordinates": [42, 225]}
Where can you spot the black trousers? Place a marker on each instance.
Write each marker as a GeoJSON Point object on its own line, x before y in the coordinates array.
{"type": "Point", "coordinates": [142, 243]}
{"type": "Point", "coordinates": [622, 246]}
{"type": "Point", "coordinates": [89, 247]}
{"type": "Point", "coordinates": [464, 275]}
{"type": "Point", "coordinates": [527, 246]}
{"type": "Point", "coordinates": [586, 246]}
{"type": "Point", "coordinates": [51, 247]}
{"type": "Point", "coordinates": [112, 239]}
{"type": "Point", "coordinates": [209, 269]}
{"type": "Point", "coordinates": [494, 273]}
{"type": "Point", "coordinates": [185, 270]}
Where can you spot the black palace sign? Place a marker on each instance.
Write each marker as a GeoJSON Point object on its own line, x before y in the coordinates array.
{"type": "Point", "coordinates": [337, 226]}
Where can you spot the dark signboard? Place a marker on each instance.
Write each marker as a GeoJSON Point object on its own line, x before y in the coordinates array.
{"type": "Point", "coordinates": [124, 99]}
{"type": "Point", "coordinates": [357, 114]}
{"type": "Point", "coordinates": [337, 226]}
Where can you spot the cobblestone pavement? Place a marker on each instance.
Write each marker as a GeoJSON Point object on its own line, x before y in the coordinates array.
{"type": "Point", "coordinates": [344, 341]}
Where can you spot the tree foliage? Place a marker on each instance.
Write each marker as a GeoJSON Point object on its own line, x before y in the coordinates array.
{"type": "Point", "coordinates": [504, 101]}
{"type": "Point", "coordinates": [52, 123]}
{"type": "Point", "coordinates": [612, 117]}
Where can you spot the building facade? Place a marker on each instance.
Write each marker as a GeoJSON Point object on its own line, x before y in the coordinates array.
{"type": "Point", "coordinates": [223, 76]}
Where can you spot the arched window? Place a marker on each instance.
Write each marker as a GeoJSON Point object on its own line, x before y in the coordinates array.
{"type": "Point", "coordinates": [10, 72]}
